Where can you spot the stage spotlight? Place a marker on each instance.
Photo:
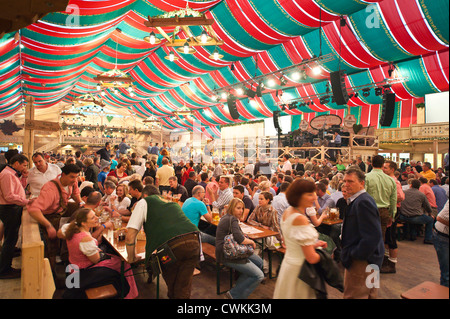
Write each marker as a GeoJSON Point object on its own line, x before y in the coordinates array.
{"type": "Point", "coordinates": [303, 75]}
{"type": "Point", "coordinates": [378, 91]}
{"type": "Point", "coordinates": [324, 100]}
{"type": "Point", "coordinates": [283, 80]}
{"type": "Point", "coordinates": [366, 92]}
{"type": "Point", "coordinates": [240, 91]}
{"type": "Point", "coordinates": [293, 105]}
{"type": "Point", "coordinates": [250, 93]}
{"type": "Point", "coordinates": [224, 95]}
{"type": "Point", "coordinates": [259, 89]}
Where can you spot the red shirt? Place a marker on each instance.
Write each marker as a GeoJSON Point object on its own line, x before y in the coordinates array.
{"type": "Point", "coordinates": [185, 176]}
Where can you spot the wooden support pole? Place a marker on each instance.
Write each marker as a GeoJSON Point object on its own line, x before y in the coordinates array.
{"type": "Point", "coordinates": [28, 140]}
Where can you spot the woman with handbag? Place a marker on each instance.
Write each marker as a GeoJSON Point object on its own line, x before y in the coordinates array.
{"type": "Point", "coordinates": [301, 240]}
{"type": "Point", "coordinates": [249, 265]}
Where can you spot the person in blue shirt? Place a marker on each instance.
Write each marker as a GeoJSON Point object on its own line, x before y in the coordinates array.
{"type": "Point", "coordinates": [123, 147]}
{"type": "Point", "coordinates": [113, 161]}
{"type": "Point", "coordinates": [197, 206]}
{"type": "Point", "coordinates": [439, 193]}
{"type": "Point", "coordinates": [102, 176]}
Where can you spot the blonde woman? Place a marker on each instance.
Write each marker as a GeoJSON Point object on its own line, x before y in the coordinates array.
{"type": "Point", "coordinates": [250, 268]}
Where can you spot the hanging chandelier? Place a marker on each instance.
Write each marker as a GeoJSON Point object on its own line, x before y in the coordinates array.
{"type": "Point", "coordinates": [181, 20]}
{"type": "Point", "coordinates": [89, 98]}
{"type": "Point", "coordinates": [182, 111]}
{"type": "Point", "coordinates": [115, 78]}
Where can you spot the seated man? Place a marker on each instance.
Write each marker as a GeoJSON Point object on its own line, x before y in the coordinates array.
{"type": "Point", "coordinates": [325, 201]}
{"type": "Point", "coordinates": [280, 203]}
{"type": "Point", "coordinates": [196, 207]}
{"type": "Point", "coordinates": [412, 211]}
{"type": "Point", "coordinates": [177, 189]}
{"type": "Point", "coordinates": [239, 192]}
{"type": "Point", "coordinates": [190, 183]}
{"type": "Point", "coordinates": [224, 194]}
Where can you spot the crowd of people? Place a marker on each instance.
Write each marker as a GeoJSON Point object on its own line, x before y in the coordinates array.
{"type": "Point", "coordinates": [291, 197]}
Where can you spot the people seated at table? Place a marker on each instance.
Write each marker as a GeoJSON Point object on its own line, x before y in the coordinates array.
{"type": "Point", "coordinates": [110, 193]}
{"type": "Point", "coordinates": [177, 190]}
{"type": "Point", "coordinates": [120, 171]}
{"type": "Point", "coordinates": [264, 215]}
{"type": "Point", "coordinates": [415, 209]}
{"type": "Point", "coordinates": [223, 196]}
{"type": "Point", "coordinates": [190, 183]}
{"type": "Point", "coordinates": [92, 266]}
{"type": "Point", "coordinates": [262, 187]}
{"type": "Point", "coordinates": [120, 202]}
{"type": "Point", "coordinates": [323, 199]}
{"type": "Point", "coordinates": [250, 269]}
{"type": "Point", "coordinates": [197, 206]}
{"type": "Point", "coordinates": [280, 203]}
{"type": "Point", "coordinates": [239, 192]}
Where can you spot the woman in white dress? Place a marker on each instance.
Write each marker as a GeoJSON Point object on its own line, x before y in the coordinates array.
{"type": "Point", "coordinates": [301, 240]}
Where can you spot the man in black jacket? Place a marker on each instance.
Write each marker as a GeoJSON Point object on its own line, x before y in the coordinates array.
{"type": "Point", "coordinates": [362, 243]}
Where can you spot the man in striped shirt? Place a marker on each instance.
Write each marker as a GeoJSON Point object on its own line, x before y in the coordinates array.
{"type": "Point", "coordinates": [223, 196]}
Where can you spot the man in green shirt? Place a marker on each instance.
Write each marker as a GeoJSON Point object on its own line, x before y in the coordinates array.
{"type": "Point", "coordinates": [383, 189]}
{"type": "Point", "coordinates": [165, 224]}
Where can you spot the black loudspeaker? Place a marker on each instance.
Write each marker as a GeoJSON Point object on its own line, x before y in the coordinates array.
{"type": "Point", "coordinates": [276, 121]}
{"type": "Point", "coordinates": [231, 101]}
{"type": "Point", "coordinates": [388, 109]}
{"type": "Point", "coordinates": [340, 94]}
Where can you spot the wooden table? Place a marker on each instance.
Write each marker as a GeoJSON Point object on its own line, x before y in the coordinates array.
{"type": "Point", "coordinates": [262, 235]}
{"type": "Point", "coordinates": [332, 222]}
{"type": "Point", "coordinates": [120, 248]}
{"type": "Point", "coordinates": [426, 290]}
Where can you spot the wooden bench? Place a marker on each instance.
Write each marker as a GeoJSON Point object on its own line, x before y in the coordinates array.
{"type": "Point", "coordinates": [280, 252]}
{"type": "Point", "coordinates": [103, 292]}
{"type": "Point", "coordinates": [426, 290]}
{"type": "Point", "coordinates": [210, 251]}
{"type": "Point", "coordinates": [36, 278]}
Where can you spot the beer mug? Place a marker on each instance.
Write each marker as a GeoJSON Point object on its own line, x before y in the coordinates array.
{"type": "Point", "coordinates": [333, 214]}
{"type": "Point", "coordinates": [117, 223]}
{"type": "Point", "coordinates": [215, 214]}
{"type": "Point", "coordinates": [104, 216]}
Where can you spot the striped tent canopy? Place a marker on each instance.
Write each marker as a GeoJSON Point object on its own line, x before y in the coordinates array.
{"type": "Point", "coordinates": [57, 58]}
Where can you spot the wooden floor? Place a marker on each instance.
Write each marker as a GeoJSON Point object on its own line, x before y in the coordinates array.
{"type": "Point", "coordinates": [417, 263]}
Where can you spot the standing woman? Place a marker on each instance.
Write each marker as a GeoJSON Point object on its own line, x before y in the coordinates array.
{"type": "Point", "coordinates": [301, 240]}
{"type": "Point", "coordinates": [251, 267]}
{"type": "Point", "coordinates": [95, 267]}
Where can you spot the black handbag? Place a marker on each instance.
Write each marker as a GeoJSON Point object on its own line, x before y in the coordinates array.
{"type": "Point", "coordinates": [325, 271]}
